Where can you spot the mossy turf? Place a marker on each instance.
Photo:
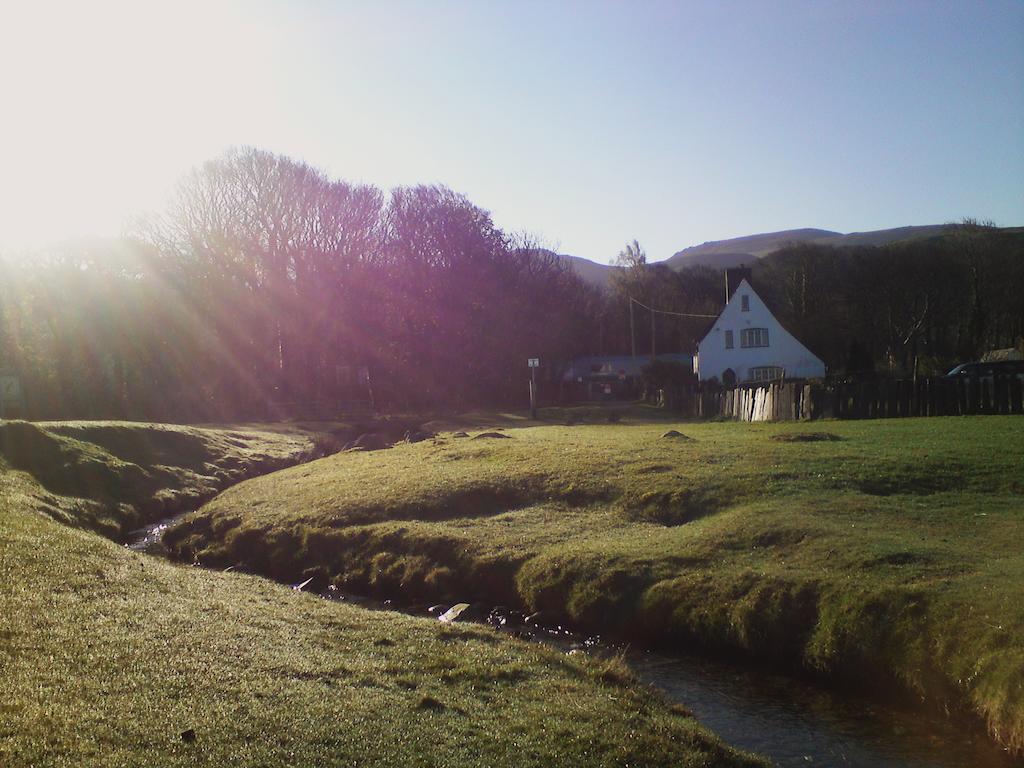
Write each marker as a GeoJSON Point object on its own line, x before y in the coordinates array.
{"type": "Point", "coordinates": [113, 658]}
{"type": "Point", "coordinates": [877, 550]}
{"type": "Point", "coordinates": [112, 477]}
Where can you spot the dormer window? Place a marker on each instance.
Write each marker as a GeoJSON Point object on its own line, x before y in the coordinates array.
{"type": "Point", "coordinates": [744, 303]}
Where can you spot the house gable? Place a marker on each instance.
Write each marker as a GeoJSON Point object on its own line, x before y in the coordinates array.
{"type": "Point", "coordinates": [749, 340]}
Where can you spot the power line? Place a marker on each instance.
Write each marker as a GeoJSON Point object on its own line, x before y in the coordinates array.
{"type": "Point", "coordinates": [667, 312]}
{"type": "Point", "coordinates": [654, 312]}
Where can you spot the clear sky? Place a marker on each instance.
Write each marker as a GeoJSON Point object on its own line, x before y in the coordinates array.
{"type": "Point", "coordinates": [586, 123]}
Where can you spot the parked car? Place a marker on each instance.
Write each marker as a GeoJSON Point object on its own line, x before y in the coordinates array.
{"type": "Point", "coordinates": [988, 370]}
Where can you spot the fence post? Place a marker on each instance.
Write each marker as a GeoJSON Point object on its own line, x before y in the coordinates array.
{"type": "Point", "coordinates": [1001, 393]}
{"type": "Point", "coordinates": [1016, 397]}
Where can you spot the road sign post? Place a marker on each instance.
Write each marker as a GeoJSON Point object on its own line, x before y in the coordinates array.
{"type": "Point", "coordinates": [534, 363]}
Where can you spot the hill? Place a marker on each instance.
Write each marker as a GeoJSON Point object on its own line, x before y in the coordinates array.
{"type": "Point", "coordinates": [592, 273]}
{"type": "Point", "coordinates": [738, 250]}
{"type": "Point", "coordinates": [720, 254]}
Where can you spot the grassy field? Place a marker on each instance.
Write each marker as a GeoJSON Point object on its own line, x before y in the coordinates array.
{"type": "Point", "coordinates": [885, 551]}
{"type": "Point", "coordinates": [113, 658]}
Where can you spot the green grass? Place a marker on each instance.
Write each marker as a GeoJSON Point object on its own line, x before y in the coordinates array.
{"type": "Point", "coordinates": [113, 658]}
{"type": "Point", "coordinates": [893, 551]}
{"type": "Point", "coordinates": [112, 477]}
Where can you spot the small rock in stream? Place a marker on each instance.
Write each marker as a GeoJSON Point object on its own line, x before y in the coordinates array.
{"type": "Point", "coordinates": [503, 616]}
{"type": "Point", "coordinates": [453, 613]}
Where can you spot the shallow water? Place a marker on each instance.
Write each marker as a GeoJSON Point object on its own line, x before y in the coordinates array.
{"type": "Point", "coordinates": [150, 538]}
{"type": "Point", "coordinates": [793, 722]}
{"type": "Point", "coordinates": [800, 724]}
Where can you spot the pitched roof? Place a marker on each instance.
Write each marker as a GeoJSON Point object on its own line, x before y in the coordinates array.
{"type": "Point", "coordinates": [768, 306]}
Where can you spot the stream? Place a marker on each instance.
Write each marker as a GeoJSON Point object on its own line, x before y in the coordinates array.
{"type": "Point", "coordinates": [793, 722]}
{"type": "Point", "coordinates": [150, 538]}
{"type": "Point", "coordinates": [797, 723]}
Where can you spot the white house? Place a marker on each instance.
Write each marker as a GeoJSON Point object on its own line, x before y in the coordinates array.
{"type": "Point", "coordinates": [747, 340]}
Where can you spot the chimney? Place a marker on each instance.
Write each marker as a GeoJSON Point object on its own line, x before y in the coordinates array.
{"type": "Point", "coordinates": [733, 276]}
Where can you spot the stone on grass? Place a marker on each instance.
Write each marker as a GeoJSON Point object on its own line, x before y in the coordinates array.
{"type": "Point", "coordinates": [429, 703]}
{"type": "Point", "coordinates": [491, 435]}
{"type": "Point", "coordinates": [676, 435]}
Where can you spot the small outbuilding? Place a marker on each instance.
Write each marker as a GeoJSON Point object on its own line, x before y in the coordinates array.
{"type": "Point", "coordinates": [611, 377]}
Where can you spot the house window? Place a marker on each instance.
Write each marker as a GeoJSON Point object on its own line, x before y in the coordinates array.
{"type": "Point", "coordinates": [765, 373]}
{"type": "Point", "coordinates": [754, 337]}
{"type": "Point", "coordinates": [744, 303]}
{"type": "Point", "coordinates": [728, 339]}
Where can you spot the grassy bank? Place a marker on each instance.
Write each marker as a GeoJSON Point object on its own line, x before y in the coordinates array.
{"type": "Point", "coordinates": [112, 658]}
{"type": "Point", "coordinates": [884, 550]}
{"type": "Point", "coordinates": [112, 477]}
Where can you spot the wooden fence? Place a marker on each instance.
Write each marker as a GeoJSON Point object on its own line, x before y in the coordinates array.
{"type": "Point", "coordinates": [959, 396]}
{"type": "Point", "coordinates": [878, 399]}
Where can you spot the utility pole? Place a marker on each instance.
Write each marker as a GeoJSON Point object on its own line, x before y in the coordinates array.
{"type": "Point", "coordinates": [653, 353]}
{"type": "Point", "coordinates": [632, 327]}
{"type": "Point", "coordinates": [653, 311]}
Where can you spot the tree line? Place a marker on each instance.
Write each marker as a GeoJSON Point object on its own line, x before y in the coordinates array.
{"type": "Point", "coordinates": [909, 308]}
{"type": "Point", "coordinates": [265, 281]}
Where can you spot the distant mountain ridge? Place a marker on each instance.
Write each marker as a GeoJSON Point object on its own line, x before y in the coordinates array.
{"type": "Point", "coordinates": [720, 254]}
{"type": "Point", "coordinates": [738, 250]}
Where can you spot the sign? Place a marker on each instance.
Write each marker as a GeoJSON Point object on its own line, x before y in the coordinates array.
{"type": "Point", "coordinates": [9, 389]}
{"type": "Point", "coordinates": [534, 362]}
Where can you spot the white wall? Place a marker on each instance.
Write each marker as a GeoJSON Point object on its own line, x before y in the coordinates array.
{"type": "Point", "coordinates": [783, 349]}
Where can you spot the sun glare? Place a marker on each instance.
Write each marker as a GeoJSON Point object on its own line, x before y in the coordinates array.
{"type": "Point", "coordinates": [105, 104]}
